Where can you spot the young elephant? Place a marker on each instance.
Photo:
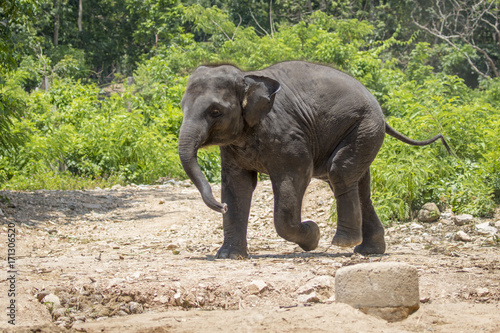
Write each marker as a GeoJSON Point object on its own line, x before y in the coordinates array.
{"type": "Point", "coordinates": [293, 121]}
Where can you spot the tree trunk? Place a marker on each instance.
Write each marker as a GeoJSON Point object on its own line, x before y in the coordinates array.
{"type": "Point", "coordinates": [57, 4]}
{"type": "Point", "coordinates": [80, 13]}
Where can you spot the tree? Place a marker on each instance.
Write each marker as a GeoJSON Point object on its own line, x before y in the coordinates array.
{"type": "Point", "coordinates": [468, 26]}
{"type": "Point", "coordinates": [14, 15]}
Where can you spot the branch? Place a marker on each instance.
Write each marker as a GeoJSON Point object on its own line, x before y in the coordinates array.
{"type": "Point", "coordinates": [447, 40]}
{"type": "Point", "coordinates": [220, 28]}
{"type": "Point", "coordinates": [251, 13]}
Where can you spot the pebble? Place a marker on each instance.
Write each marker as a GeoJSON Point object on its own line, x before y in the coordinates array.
{"type": "Point", "coordinates": [319, 282]}
{"type": "Point", "coordinates": [486, 229]}
{"type": "Point", "coordinates": [481, 292]}
{"type": "Point", "coordinates": [415, 226]}
{"type": "Point", "coordinates": [308, 298]}
{"type": "Point", "coordinates": [462, 236]}
{"type": "Point", "coordinates": [53, 300]}
{"type": "Point", "coordinates": [256, 287]}
{"type": "Point", "coordinates": [135, 307]}
{"type": "Point", "coordinates": [463, 219]}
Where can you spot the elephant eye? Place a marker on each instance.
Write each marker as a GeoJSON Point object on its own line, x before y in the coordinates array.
{"type": "Point", "coordinates": [215, 113]}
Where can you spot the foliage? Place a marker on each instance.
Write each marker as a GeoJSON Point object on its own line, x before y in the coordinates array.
{"type": "Point", "coordinates": [78, 132]}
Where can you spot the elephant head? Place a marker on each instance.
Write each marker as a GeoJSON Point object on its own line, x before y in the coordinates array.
{"type": "Point", "coordinates": [219, 105]}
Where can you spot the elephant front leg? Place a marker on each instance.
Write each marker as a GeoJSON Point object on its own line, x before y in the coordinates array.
{"type": "Point", "coordinates": [288, 194]}
{"type": "Point", "coordinates": [237, 188]}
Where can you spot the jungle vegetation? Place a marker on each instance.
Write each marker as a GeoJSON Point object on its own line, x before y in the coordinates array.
{"type": "Point", "coordinates": [90, 90]}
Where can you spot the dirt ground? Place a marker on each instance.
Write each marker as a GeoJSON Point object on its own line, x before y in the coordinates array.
{"type": "Point", "coordinates": [142, 259]}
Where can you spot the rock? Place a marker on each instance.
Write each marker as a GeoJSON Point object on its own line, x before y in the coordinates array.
{"type": "Point", "coordinates": [121, 313]}
{"type": "Point", "coordinates": [135, 307]}
{"type": "Point", "coordinates": [53, 301]}
{"type": "Point", "coordinates": [41, 296]}
{"type": "Point", "coordinates": [482, 292]}
{"type": "Point", "coordinates": [177, 299]}
{"type": "Point", "coordinates": [256, 287]}
{"type": "Point", "coordinates": [416, 226]}
{"type": "Point", "coordinates": [429, 213]}
{"type": "Point", "coordinates": [115, 282]}
{"type": "Point", "coordinates": [172, 246]}
{"type": "Point", "coordinates": [386, 290]}
{"type": "Point", "coordinates": [317, 283]}
{"type": "Point", "coordinates": [308, 298]}
{"type": "Point", "coordinates": [462, 236]}
{"type": "Point", "coordinates": [463, 219]}
{"type": "Point", "coordinates": [58, 313]}
{"type": "Point", "coordinates": [485, 229]}
{"type": "Point", "coordinates": [497, 224]}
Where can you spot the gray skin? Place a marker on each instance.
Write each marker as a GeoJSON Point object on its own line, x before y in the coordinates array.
{"type": "Point", "coordinates": [292, 121]}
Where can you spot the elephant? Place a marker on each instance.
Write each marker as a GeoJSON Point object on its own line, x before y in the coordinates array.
{"type": "Point", "coordinates": [292, 121]}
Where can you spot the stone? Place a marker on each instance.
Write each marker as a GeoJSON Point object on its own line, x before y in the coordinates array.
{"type": "Point", "coordinates": [497, 224]}
{"type": "Point", "coordinates": [485, 229]}
{"type": "Point", "coordinates": [135, 307]}
{"type": "Point", "coordinates": [53, 301]}
{"type": "Point", "coordinates": [177, 300]}
{"type": "Point", "coordinates": [256, 287]}
{"type": "Point", "coordinates": [416, 226]}
{"type": "Point", "coordinates": [482, 292]}
{"type": "Point", "coordinates": [323, 283]}
{"type": "Point", "coordinates": [386, 290]}
{"type": "Point", "coordinates": [58, 313]}
{"type": "Point", "coordinates": [429, 213]}
{"type": "Point", "coordinates": [462, 236]}
{"type": "Point", "coordinates": [308, 298]}
{"type": "Point", "coordinates": [463, 219]}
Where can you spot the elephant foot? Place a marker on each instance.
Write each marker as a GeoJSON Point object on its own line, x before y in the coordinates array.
{"type": "Point", "coordinates": [232, 252]}
{"type": "Point", "coordinates": [313, 235]}
{"type": "Point", "coordinates": [374, 244]}
{"type": "Point", "coordinates": [347, 238]}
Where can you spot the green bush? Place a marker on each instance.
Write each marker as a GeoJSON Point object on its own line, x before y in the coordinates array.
{"type": "Point", "coordinates": [78, 135]}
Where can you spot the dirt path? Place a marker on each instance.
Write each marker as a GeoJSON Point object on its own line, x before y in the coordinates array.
{"type": "Point", "coordinates": [141, 258]}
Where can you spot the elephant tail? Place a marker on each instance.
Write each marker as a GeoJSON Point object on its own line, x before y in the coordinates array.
{"type": "Point", "coordinates": [395, 134]}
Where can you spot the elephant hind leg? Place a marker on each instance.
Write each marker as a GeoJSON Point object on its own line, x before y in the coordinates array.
{"type": "Point", "coordinates": [349, 163]}
{"type": "Point", "coordinates": [372, 229]}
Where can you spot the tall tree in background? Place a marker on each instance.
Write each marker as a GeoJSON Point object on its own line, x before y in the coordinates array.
{"type": "Point", "coordinates": [15, 15]}
{"type": "Point", "coordinates": [468, 26]}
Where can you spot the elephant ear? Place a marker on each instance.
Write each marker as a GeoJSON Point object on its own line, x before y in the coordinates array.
{"type": "Point", "coordinates": [258, 100]}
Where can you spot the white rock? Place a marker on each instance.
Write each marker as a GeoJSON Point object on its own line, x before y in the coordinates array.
{"type": "Point", "coordinates": [463, 219]}
{"type": "Point", "coordinates": [415, 226]}
{"type": "Point", "coordinates": [386, 290]}
{"type": "Point", "coordinates": [318, 282]}
{"type": "Point", "coordinates": [52, 300]}
{"type": "Point", "coordinates": [177, 298]}
{"type": "Point", "coordinates": [486, 229]}
{"type": "Point", "coordinates": [462, 236]}
{"type": "Point", "coordinates": [308, 298]}
{"type": "Point", "coordinates": [256, 287]}
{"type": "Point", "coordinates": [497, 224]}
{"type": "Point", "coordinates": [482, 292]}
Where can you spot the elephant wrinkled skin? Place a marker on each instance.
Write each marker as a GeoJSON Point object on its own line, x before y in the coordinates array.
{"type": "Point", "coordinates": [293, 121]}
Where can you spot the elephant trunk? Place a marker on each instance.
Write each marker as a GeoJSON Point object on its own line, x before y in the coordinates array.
{"type": "Point", "coordinates": [190, 140]}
